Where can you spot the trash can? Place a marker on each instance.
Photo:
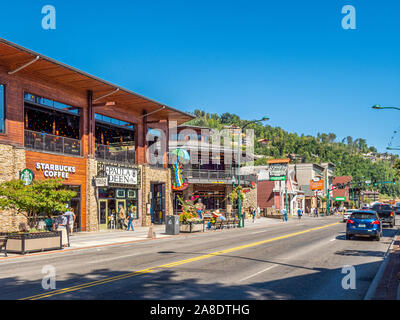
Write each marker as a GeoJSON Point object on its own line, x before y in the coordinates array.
{"type": "Point", "coordinates": [172, 225]}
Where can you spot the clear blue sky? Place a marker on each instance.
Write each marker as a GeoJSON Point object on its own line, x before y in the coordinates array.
{"type": "Point", "coordinates": [289, 60]}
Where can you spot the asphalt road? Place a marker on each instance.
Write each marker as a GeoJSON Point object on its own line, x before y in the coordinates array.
{"type": "Point", "coordinates": [297, 260]}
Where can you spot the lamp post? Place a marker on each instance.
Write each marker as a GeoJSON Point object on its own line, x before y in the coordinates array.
{"type": "Point", "coordinates": [241, 217]}
{"type": "Point", "coordinates": [379, 107]}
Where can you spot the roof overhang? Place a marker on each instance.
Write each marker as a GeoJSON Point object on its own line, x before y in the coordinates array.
{"type": "Point", "coordinates": [19, 60]}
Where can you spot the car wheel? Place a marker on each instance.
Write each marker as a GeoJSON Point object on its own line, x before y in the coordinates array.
{"type": "Point", "coordinates": [348, 237]}
{"type": "Point", "coordinates": [378, 237]}
{"type": "Point", "coordinates": [391, 225]}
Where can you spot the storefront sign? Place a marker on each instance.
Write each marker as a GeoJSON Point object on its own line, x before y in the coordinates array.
{"type": "Point", "coordinates": [101, 182]}
{"type": "Point", "coordinates": [27, 176]}
{"type": "Point", "coordinates": [277, 169]}
{"type": "Point", "coordinates": [55, 170]}
{"type": "Point", "coordinates": [317, 185]}
{"type": "Point", "coordinates": [340, 199]}
{"type": "Point", "coordinates": [121, 175]}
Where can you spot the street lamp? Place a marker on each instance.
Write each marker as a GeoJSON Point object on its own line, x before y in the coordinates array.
{"type": "Point", "coordinates": [241, 217]}
{"type": "Point", "coordinates": [379, 107]}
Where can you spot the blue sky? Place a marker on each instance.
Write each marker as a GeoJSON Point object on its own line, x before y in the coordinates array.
{"type": "Point", "coordinates": [289, 60]}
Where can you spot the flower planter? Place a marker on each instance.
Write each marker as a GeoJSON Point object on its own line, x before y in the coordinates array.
{"type": "Point", "coordinates": [191, 227]}
{"type": "Point", "coordinates": [33, 242]}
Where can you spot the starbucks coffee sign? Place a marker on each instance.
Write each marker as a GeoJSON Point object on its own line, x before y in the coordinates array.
{"type": "Point", "coordinates": [27, 176]}
{"type": "Point", "coordinates": [55, 170]}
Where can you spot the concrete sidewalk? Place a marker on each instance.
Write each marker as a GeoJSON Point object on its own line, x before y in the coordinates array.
{"type": "Point", "coordinates": [388, 287]}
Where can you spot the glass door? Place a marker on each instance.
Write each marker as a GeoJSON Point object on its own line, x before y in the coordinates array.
{"type": "Point", "coordinates": [103, 214]}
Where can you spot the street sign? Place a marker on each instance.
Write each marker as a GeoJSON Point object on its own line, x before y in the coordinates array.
{"type": "Point", "coordinates": [340, 199]}
{"type": "Point", "coordinates": [283, 178]}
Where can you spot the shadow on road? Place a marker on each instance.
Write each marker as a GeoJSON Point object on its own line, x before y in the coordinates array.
{"type": "Point", "coordinates": [176, 284]}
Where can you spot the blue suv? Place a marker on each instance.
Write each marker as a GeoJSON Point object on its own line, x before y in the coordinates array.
{"type": "Point", "coordinates": [364, 223]}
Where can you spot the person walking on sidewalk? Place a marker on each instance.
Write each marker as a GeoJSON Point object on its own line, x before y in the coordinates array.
{"type": "Point", "coordinates": [316, 212]}
{"type": "Point", "coordinates": [130, 220]}
{"type": "Point", "coordinates": [253, 212]}
{"type": "Point", "coordinates": [121, 216]}
{"type": "Point", "coordinates": [299, 213]}
{"type": "Point", "coordinates": [284, 215]}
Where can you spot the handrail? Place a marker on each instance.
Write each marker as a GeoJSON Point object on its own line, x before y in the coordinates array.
{"type": "Point", "coordinates": [43, 141]}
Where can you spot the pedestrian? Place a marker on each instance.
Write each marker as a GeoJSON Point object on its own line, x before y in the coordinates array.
{"type": "Point", "coordinates": [199, 209]}
{"type": "Point", "coordinates": [253, 212]}
{"type": "Point", "coordinates": [130, 220]}
{"type": "Point", "coordinates": [61, 225]}
{"type": "Point", "coordinates": [284, 215]}
{"type": "Point", "coordinates": [121, 216]}
{"type": "Point", "coordinates": [258, 211]}
{"type": "Point", "coordinates": [316, 212]}
{"type": "Point", "coordinates": [70, 215]}
{"type": "Point", "coordinates": [299, 213]}
{"type": "Point", "coordinates": [49, 223]}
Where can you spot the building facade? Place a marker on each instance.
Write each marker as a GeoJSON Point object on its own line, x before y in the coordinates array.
{"type": "Point", "coordinates": [209, 176]}
{"type": "Point", "coordinates": [60, 122]}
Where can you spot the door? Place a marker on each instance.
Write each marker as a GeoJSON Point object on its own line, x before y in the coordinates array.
{"type": "Point", "coordinates": [158, 203]}
{"type": "Point", "coordinates": [103, 214]}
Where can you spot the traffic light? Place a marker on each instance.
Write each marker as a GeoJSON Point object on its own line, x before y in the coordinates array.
{"type": "Point", "coordinates": [374, 182]}
{"type": "Point", "coordinates": [394, 181]}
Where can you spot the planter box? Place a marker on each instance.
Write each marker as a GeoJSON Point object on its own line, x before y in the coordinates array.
{"type": "Point", "coordinates": [191, 227]}
{"type": "Point", "coordinates": [33, 242]}
{"type": "Point", "coordinates": [274, 216]}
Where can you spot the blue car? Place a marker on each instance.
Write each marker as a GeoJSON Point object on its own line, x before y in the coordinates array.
{"type": "Point", "coordinates": [364, 223]}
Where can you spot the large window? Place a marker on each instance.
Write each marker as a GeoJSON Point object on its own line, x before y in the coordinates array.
{"type": "Point", "coordinates": [2, 109]}
{"type": "Point", "coordinates": [115, 139]}
{"type": "Point", "coordinates": [51, 126]}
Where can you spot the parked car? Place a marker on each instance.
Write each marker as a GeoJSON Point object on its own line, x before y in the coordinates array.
{"type": "Point", "coordinates": [347, 214]}
{"type": "Point", "coordinates": [385, 213]}
{"type": "Point", "coordinates": [364, 223]}
{"type": "Point", "coordinates": [397, 209]}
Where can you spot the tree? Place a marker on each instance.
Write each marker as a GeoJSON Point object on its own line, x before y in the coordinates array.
{"type": "Point", "coordinates": [40, 197]}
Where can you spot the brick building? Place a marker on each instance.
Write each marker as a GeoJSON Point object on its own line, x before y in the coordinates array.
{"type": "Point", "coordinates": [58, 121]}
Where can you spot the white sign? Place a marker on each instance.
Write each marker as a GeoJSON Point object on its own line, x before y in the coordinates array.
{"type": "Point", "coordinates": [277, 169]}
{"type": "Point", "coordinates": [121, 175]}
{"type": "Point", "coordinates": [55, 170]}
{"type": "Point", "coordinates": [102, 182]}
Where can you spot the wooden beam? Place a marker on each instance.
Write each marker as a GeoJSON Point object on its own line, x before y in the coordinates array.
{"type": "Point", "coordinates": [104, 104]}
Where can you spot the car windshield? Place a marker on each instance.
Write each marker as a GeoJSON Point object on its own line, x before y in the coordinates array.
{"type": "Point", "coordinates": [363, 215]}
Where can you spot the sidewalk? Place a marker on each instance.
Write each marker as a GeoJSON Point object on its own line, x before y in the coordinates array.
{"type": "Point", "coordinates": [388, 287]}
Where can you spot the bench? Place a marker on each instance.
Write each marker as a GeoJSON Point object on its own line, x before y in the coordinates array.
{"type": "Point", "coordinates": [236, 222]}
{"type": "Point", "coordinates": [3, 245]}
{"type": "Point", "coordinates": [218, 225]}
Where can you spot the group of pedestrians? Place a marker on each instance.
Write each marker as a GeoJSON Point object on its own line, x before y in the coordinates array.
{"type": "Point", "coordinates": [64, 223]}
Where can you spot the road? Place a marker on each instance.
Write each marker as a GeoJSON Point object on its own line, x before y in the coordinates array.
{"type": "Point", "coordinates": [294, 260]}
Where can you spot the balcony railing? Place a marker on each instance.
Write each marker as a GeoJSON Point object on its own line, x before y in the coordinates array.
{"type": "Point", "coordinates": [209, 176]}
{"type": "Point", "coordinates": [122, 154]}
{"type": "Point", "coordinates": [42, 141]}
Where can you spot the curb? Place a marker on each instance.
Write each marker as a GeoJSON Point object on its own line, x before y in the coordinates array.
{"type": "Point", "coordinates": [372, 288]}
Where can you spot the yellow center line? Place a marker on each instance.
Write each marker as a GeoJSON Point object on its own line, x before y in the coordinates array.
{"type": "Point", "coordinates": [169, 265]}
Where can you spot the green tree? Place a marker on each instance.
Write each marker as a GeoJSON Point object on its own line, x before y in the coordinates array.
{"type": "Point", "coordinates": [40, 197]}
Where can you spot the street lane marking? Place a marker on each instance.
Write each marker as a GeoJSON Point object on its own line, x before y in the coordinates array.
{"type": "Point", "coordinates": [257, 273]}
{"type": "Point", "coordinates": [169, 265]}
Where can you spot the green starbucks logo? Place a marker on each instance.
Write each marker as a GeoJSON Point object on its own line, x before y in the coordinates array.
{"type": "Point", "coordinates": [27, 176]}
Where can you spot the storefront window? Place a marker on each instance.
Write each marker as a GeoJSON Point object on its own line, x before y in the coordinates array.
{"type": "Point", "coordinates": [2, 109]}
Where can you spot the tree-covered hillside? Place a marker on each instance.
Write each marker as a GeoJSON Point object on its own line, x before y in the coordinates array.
{"type": "Point", "coordinates": [351, 156]}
